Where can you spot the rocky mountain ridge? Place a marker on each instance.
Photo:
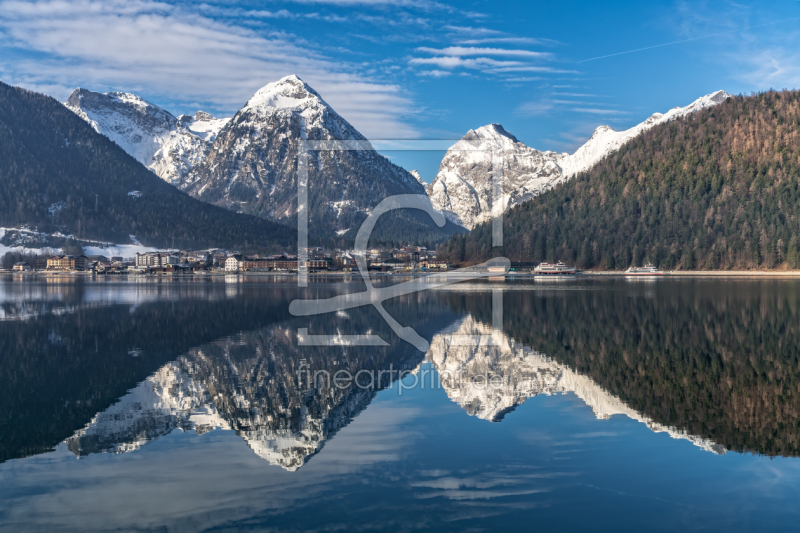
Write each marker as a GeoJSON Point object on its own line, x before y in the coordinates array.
{"type": "Point", "coordinates": [169, 146]}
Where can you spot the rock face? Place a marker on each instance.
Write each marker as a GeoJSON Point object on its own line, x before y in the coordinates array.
{"type": "Point", "coordinates": [252, 166]}
{"type": "Point", "coordinates": [489, 375]}
{"type": "Point", "coordinates": [463, 186]}
{"type": "Point", "coordinates": [167, 145]}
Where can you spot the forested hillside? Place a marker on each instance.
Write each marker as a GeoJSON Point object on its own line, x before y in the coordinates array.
{"type": "Point", "coordinates": [58, 174]}
{"type": "Point", "coordinates": [719, 189]}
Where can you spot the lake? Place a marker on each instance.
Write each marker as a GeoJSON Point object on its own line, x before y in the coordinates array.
{"type": "Point", "coordinates": [568, 405]}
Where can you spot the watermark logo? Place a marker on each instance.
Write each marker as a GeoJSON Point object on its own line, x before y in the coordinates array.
{"type": "Point", "coordinates": [375, 296]}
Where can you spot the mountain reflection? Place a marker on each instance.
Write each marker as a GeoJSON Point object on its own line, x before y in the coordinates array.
{"type": "Point", "coordinates": [467, 352]}
{"type": "Point", "coordinates": [253, 384]}
{"type": "Point", "coordinates": [108, 368]}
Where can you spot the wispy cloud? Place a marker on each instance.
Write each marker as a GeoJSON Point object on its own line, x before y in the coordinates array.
{"type": "Point", "coordinates": [435, 73]}
{"type": "Point", "coordinates": [453, 62]}
{"type": "Point", "coordinates": [776, 68]}
{"type": "Point", "coordinates": [509, 40]}
{"type": "Point", "coordinates": [472, 30]}
{"type": "Point", "coordinates": [174, 54]}
{"type": "Point", "coordinates": [696, 38]}
{"type": "Point", "coordinates": [536, 108]}
{"type": "Point", "coordinates": [599, 111]}
{"type": "Point", "coordinates": [462, 51]}
{"type": "Point", "coordinates": [577, 95]}
{"type": "Point", "coordinates": [535, 68]}
{"type": "Point", "coordinates": [419, 4]}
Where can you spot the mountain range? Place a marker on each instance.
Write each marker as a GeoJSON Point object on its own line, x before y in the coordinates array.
{"type": "Point", "coordinates": [216, 388]}
{"type": "Point", "coordinates": [249, 163]}
{"type": "Point", "coordinates": [463, 187]}
{"type": "Point", "coordinates": [716, 189]}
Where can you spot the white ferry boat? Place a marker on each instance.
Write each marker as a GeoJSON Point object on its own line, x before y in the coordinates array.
{"type": "Point", "coordinates": [647, 270]}
{"type": "Point", "coordinates": [557, 269]}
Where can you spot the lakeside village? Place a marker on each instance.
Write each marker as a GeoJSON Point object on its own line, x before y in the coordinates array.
{"type": "Point", "coordinates": [171, 262]}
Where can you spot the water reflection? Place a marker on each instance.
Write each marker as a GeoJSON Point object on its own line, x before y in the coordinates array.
{"type": "Point", "coordinates": [110, 367]}
{"type": "Point", "coordinates": [493, 375]}
{"type": "Point", "coordinates": [254, 384]}
{"type": "Point", "coordinates": [259, 385]}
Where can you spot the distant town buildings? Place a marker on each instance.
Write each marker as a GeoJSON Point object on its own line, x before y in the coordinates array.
{"type": "Point", "coordinates": [404, 259]}
{"type": "Point", "coordinates": [238, 263]}
{"type": "Point", "coordinates": [67, 262]}
{"type": "Point", "coordinates": [156, 259]}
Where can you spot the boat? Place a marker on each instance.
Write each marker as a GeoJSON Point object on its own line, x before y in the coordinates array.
{"type": "Point", "coordinates": [647, 270]}
{"type": "Point", "coordinates": [557, 269]}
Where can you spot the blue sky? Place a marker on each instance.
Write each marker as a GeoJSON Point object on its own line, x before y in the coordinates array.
{"type": "Point", "coordinates": [419, 69]}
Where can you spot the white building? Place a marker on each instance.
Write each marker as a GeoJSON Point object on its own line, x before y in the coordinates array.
{"type": "Point", "coordinates": [156, 259]}
{"type": "Point", "coordinates": [233, 263]}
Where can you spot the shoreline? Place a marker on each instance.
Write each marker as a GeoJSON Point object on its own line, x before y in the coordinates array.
{"type": "Point", "coordinates": [339, 274]}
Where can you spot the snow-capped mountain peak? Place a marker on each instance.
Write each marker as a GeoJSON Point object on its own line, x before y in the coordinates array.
{"type": "Point", "coordinates": [289, 92]}
{"type": "Point", "coordinates": [490, 132]}
{"type": "Point", "coordinates": [605, 140]}
{"type": "Point", "coordinates": [418, 178]}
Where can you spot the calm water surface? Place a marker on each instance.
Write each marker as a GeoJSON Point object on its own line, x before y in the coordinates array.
{"type": "Point", "coordinates": [578, 405]}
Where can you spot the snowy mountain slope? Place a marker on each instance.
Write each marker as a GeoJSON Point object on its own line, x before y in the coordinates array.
{"type": "Point", "coordinates": [463, 187]}
{"type": "Point", "coordinates": [167, 145]}
{"type": "Point", "coordinates": [605, 140]}
{"type": "Point", "coordinates": [252, 165]}
{"type": "Point", "coordinates": [466, 368]}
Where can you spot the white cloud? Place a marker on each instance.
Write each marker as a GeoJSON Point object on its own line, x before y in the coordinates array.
{"type": "Point", "coordinates": [525, 78]}
{"type": "Point", "coordinates": [453, 62]}
{"type": "Point", "coordinates": [536, 108]}
{"type": "Point", "coordinates": [598, 111]}
{"type": "Point", "coordinates": [509, 40]}
{"type": "Point", "coordinates": [419, 4]}
{"type": "Point", "coordinates": [774, 68]}
{"type": "Point", "coordinates": [578, 94]}
{"type": "Point", "coordinates": [461, 51]}
{"type": "Point", "coordinates": [435, 73]}
{"type": "Point", "coordinates": [534, 68]}
{"type": "Point", "coordinates": [171, 53]}
{"type": "Point", "coordinates": [472, 31]}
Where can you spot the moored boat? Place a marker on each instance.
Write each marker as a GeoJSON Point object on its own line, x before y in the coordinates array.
{"type": "Point", "coordinates": [551, 269]}
{"type": "Point", "coordinates": [647, 270]}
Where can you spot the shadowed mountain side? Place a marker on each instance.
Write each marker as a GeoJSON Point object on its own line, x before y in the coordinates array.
{"type": "Point", "coordinates": [59, 174]}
